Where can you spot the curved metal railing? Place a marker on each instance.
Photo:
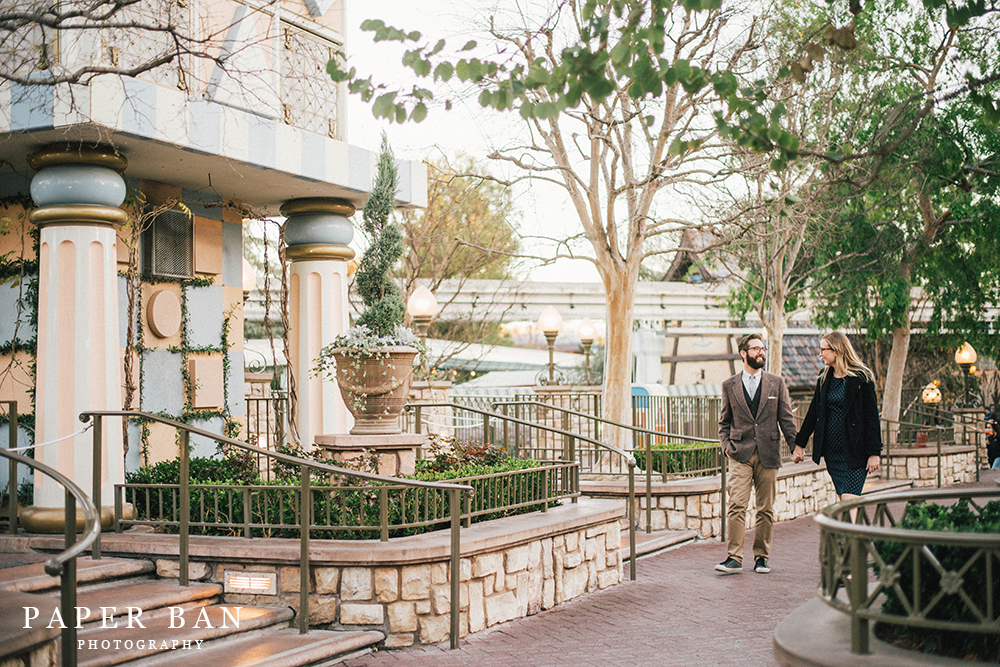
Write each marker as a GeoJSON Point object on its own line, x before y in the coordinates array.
{"type": "Point", "coordinates": [644, 437]}
{"type": "Point", "coordinates": [510, 434]}
{"type": "Point", "coordinates": [307, 468]}
{"type": "Point", "coordinates": [63, 565]}
{"type": "Point", "coordinates": [916, 571]}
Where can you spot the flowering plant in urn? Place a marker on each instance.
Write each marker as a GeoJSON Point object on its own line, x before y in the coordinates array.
{"type": "Point", "coordinates": [373, 360]}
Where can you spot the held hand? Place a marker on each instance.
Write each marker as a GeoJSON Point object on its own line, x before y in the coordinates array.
{"type": "Point", "coordinates": [873, 463]}
{"type": "Point", "coordinates": [798, 454]}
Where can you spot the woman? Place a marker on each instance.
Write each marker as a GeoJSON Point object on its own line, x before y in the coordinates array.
{"type": "Point", "coordinates": [844, 416]}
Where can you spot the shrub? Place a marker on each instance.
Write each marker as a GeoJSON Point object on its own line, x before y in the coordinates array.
{"type": "Point", "coordinates": [449, 453]}
{"type": "Point", "coordinates": [956, 518]}
{"type": "Point", "coordinates": [677, 457]}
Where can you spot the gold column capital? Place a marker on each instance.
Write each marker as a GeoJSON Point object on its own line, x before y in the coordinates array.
{"type": "Point", "coordinates": [319, 251]}
{"type": "Point", "coordinates": [97, 155]}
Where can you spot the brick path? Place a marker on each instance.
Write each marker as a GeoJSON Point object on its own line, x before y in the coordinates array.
{"type": "Point", "coordinates": [678, 612]}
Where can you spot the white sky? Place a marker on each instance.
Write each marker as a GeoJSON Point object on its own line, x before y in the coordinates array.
{"type": "Point", "coordinates": [467, 128]}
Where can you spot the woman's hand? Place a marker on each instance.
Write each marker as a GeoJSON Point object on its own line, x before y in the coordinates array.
{"type": "Point", "coordinates": [873, 463]}
{"type": "Point", "coordinates": [798, 454]}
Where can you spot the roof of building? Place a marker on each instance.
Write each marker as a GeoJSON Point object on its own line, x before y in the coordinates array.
{"type": "Point", "coordinates": [800, 362]}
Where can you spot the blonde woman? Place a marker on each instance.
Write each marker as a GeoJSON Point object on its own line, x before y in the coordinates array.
{"type": "Point", "coordinates": [844, 417]}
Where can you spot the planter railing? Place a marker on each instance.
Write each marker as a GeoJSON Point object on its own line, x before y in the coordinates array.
{"type": "Point", "coordinates": [301, 511]}
{"type": "Point", "coordinates": [907, 567]}
{"type": "Point", "coordinates": [529, 440]}
{"type": "Point", "coordinates": [62, 565]}
{"type": "Point", "coordinates": [342, 511]}
{"type": "Point", "coordinates": [696, 461]}
{"type": "Point", "coordinates": [934, 436]}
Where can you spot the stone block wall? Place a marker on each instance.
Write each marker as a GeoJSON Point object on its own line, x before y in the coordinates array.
{"type": "Point", "coordinates": [411, 603]}
{"type": "Point", "coordinates": [919, 465]}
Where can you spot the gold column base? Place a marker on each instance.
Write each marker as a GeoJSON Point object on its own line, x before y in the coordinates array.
{"type": "Point", "coordinates": [53, 519]}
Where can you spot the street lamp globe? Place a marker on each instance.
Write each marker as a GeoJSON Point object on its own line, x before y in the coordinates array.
{"type": "Point", "coordinates": [586, 332]}
{"type": "Point", "coordinates": [550, 321]}
{"type": "Point", "coordinates": [965, 356]}
{"type": "Point", "coordinates": [931, 394]}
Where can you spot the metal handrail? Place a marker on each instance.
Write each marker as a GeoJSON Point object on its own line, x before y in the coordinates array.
{"type": "Point", "coordinates": [848, 536]}
{"type": "Point", "coordinates": [927, 428]}
{"type": "Point", "coordinates": [12, 467]}
{"type": "Point", "coordinates": [572, 437]}
{"type": "Point", "coordinates": [63, 565]}
{"type": "Point", "coordinates": [648, 452]}
{"type": "Point", "coordinates": [306, 467]}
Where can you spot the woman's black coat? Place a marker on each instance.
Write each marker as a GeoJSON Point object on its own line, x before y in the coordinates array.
{"type": "Point", "coordinates": [862, 429]}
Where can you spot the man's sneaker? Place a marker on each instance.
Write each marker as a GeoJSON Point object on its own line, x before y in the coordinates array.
{"type": "Point", "coordinates": [729, 565]}
{"type": "Point", "coordinates": [760, 565]}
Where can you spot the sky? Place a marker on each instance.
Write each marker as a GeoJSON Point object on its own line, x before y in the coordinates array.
{"type": "Point", "coordinates": [467, 128]}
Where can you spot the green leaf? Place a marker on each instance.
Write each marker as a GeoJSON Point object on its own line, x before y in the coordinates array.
{"type": "Point", "coordinates": [471, 44]}
{"type": "Point", "coordinates": [443, 71]}
{"type": "Point", "coordinates": [419, 113]}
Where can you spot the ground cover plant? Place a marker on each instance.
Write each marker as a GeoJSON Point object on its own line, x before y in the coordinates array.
{"type": "Point", "coordinates": [979, 580]}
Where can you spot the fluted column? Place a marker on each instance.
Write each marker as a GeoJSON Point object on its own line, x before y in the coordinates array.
{"type": "Point", "coordinates": [78, 367]}
{"type": "Point", "coordinates": [317, 234]}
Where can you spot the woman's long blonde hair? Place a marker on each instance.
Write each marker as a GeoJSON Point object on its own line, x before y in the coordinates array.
{"type": "Point", "coordinates": [847, 360]}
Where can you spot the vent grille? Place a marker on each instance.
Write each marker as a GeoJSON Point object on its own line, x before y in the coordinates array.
{"type": "Point", "coordinates": [168, 246]}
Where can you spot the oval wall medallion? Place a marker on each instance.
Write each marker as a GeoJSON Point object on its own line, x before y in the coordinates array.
{"type": "Point", "coordinates": [164, 313]}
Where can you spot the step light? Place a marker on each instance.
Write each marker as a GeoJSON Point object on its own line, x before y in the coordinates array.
{"type": "Point", "coordinates": [253, 583]}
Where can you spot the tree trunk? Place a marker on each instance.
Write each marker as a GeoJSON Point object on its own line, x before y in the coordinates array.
{"type": "Point", "coordinates": [775, 325]}
{"type": "Point", "coordinates": [892, 398]}
{"type": "Point", "coordinates": [620, 293]}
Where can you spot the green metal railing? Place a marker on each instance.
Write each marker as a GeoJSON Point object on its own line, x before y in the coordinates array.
{"type": "Point", "coordinates": [858, 537]}
{"type": "Point", "coordinates": [12, 466]}
{"type": "Point", "coordinates": [529, 440]}
{"type": "Point", "coordinates": [304, 513]}
{"type": "Point", "coordinates": [936, 436]}
{"type": "Point", "coordinates": [341, 511]}
{"type": "Point", "coordinates": [704, 461]}
{"type": "Point", "coordinates": [62, 565]}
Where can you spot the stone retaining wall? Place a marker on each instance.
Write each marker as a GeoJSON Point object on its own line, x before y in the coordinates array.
{"type": "Point", "coordinates": [802, 489]}
{"type": "Point", "coordinates": [919, 465]}
{"type": "Point", "coordinates": [524, 564]}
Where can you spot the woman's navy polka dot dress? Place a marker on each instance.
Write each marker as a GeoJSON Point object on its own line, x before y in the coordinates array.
{"type": "Point", "coordinates": [845, 480]}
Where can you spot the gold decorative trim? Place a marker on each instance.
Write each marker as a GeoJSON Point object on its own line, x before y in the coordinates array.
{"type": "Point", "coordinates": [318, 205]}
{"type": "Point", "coordinates": [75, 214]}
{"type": "Point", "coordinates": [56, 154]}
{"type": "Point", "coordinates": [312, 251]}
{"type": "Point", "coordinates": [53, 519]}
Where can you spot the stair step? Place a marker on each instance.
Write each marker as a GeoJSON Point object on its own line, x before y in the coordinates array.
{"type": "Point", "coordinates": [145, 594]}
{"type": "Point", "coordinates": [285, 648]}
{"type": "Point", "coordinates": [158, 637]}
{"type": "Point", "coordinates": [33, 578]}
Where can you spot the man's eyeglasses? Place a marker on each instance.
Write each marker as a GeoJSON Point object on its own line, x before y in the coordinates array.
{"type": "Point", "coordinates": [757, 348]}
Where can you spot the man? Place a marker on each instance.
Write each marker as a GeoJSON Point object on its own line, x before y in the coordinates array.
{"type": "Point", "coordinates": [755, 405]}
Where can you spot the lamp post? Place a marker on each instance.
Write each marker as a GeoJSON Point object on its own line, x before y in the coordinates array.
{"type": "Point", "coordinates": [586, 332]}
{"type": "Point", "coordinates": [422, 307]}
{"type": "Point", "coordinates": [965, 357]}
{"type": "Point", "coordinates": [550, 322]}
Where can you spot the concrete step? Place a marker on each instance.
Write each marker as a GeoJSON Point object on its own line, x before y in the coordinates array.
{"type": "Point", "coordinates": [879, 485]}
{"type": "Point", "coordinates": [30, 578]}
{"type": "Point", "coordinates": [99, 646]}
{"type": "Point", "coordinates": [285, 648]}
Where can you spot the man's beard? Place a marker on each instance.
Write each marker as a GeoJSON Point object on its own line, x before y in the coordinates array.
{"type": "Point", "coordinates": [756, 363]}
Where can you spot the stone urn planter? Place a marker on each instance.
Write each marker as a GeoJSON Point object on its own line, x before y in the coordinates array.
{"type": "Point", "coordinates": [375, 386]}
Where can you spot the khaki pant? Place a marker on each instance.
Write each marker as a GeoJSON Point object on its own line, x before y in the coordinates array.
{"type": "Point", "coordinates": [743, 477]}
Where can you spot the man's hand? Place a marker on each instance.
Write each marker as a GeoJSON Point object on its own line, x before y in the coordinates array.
{"type": "Point", "coordinates": [798, 454]}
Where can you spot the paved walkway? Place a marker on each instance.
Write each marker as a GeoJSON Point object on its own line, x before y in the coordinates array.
{"type": "Point", "coordinates": [678, 612]}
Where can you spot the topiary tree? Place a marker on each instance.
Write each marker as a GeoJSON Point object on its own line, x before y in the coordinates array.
{"type": "Point", "coordinates": [384, 306]}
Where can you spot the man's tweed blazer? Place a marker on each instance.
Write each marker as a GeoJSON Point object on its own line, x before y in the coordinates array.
{"type": "Point", "coordinates": [740, 433]}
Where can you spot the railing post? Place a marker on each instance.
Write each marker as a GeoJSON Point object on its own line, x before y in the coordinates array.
{"type": "Point", "coordinates": [67, 586]}
{"type": "Point", "coordinates": [631, 519]}
{"type": "Point", "coordinates": [12, 468]}
{"type": "Point", "coordinates": [859, 592]}
{"type": "Point", "coordinates": [545, 483]}
{"type": "Point", "coordinates": [649, 483]}
{"type": "Point", "coordinates": [185, 506]}
{"type": "Point", "coordinates": [723, 464]}
{"type": "Point", "coordinates": [247, 512]}
{"type": "Point", "coordinates": [939, 458]}
{"type": "Point", "coordinates": [455, 568]}
{"type": "Point", "coordinates": [305, 512]}
{"type": "Point", "coordinates": [95, 551]}
{"type": "Point", "coordinates": [119, 490]}
{"type": "Point", "coordinates": [576, 474]}
{"type": "Point", "coordinates": [383, 513]}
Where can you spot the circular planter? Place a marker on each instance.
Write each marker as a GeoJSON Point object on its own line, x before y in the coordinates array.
{"type": "Point", "coordinates": [375, 386]}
